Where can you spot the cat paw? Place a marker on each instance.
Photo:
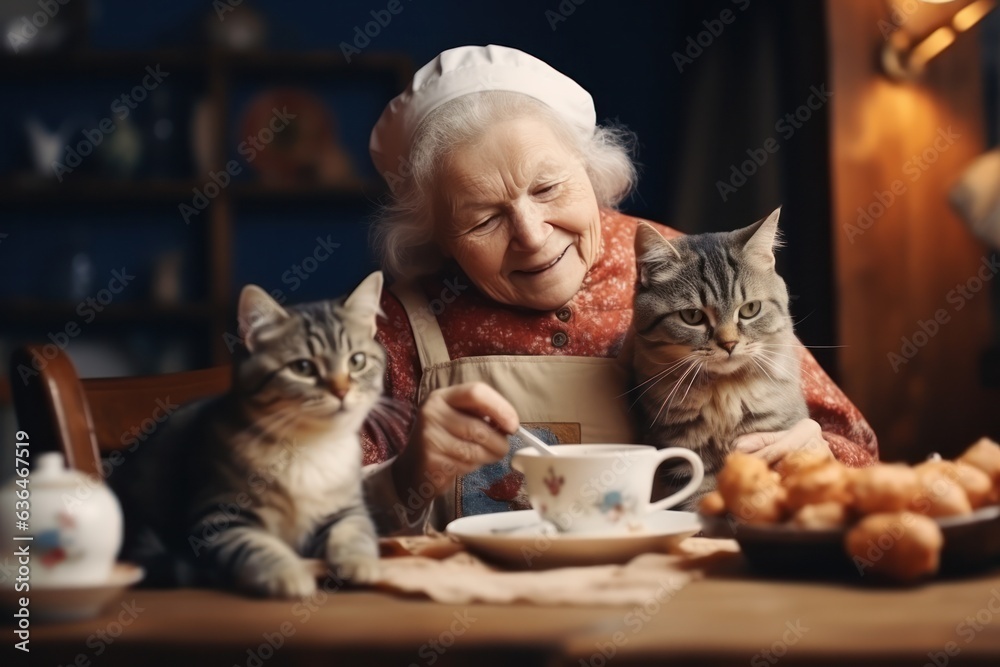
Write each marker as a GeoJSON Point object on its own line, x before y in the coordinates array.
{"type": "Point", "coordinates": [359, 570]}
{"type": "Point", "coordinates": [290, 581]}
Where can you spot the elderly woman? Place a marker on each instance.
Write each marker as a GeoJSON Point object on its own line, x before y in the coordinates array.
{"type": "Point", "coordinates": [514, 280]}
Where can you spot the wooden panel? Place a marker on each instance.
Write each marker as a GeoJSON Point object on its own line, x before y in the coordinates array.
{"type": "Point", "coordinates": [127, 409]}
{"type": "Point", "coordinates": [902, 268]}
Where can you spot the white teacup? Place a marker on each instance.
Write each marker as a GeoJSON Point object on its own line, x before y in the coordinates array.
{"type": "Point", "coordinates": [600, 488]}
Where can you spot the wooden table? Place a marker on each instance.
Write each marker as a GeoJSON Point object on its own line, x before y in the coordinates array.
{"type": "Point", "coordinates": [733, 617]}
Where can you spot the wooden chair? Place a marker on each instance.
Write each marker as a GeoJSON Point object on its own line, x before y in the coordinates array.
{"type": "Point", "coordinates": [87, 418]}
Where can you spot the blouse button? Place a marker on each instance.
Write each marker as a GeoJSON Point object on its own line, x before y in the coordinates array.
{"type": "Point", "coordinates": [564, 314]}
{"type": "Point", "coordinates": [559, 338]}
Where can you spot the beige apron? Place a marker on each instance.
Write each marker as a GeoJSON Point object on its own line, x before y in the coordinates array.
{"type": "Point", "coordinates": [562, 399]}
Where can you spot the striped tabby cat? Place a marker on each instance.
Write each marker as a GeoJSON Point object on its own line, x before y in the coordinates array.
{"type": "Point", "coordinates": [715, 355]}
{"type": "Point", "coordinates": [236, 489]}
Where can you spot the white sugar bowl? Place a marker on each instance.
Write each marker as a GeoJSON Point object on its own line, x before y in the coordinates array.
{"type": "Point", "coordinates": [75, 523]}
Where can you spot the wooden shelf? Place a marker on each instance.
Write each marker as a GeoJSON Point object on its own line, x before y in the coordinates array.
{"type": "Point", "coordinates": [47, 192]}
{"type": "Point", "coordinates": [50, 193]}
{"type": "Point", "coordinates": [40, 312]}
{"type": "Point", "coordinates": [118, 63]}
{"type": "Point", "coordinates": [102, 63]}
{"type": "Point", "coordinates": [259, 193]}
{"type": "Point", "coordinates": [213, 73]}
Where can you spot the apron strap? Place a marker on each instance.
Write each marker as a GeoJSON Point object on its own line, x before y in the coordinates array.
{"type": "Point", "coordinates": [426, 330]}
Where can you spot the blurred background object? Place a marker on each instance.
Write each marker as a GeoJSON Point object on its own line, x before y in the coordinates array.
{"type": "Point", "coordinates": [156, 181]}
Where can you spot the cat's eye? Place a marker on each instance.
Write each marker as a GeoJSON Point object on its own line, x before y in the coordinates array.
{"type": "Point", "coordinates": [304, 367]}
{"type": "Point", "coordinates": [692, 316]}
{"type": "Point", "coordinates": [357, 362]}
{"type": "Point", "coordinates": [749, 309]}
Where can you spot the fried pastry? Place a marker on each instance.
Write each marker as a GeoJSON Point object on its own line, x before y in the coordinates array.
{"type": "Point", "coordinates": [901, 546]}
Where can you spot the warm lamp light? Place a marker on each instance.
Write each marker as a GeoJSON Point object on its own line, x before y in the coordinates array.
{"type": "Point", "coordinates": [905, 56]}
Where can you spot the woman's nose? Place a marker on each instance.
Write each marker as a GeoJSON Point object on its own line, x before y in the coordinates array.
{"type": "Point", "coordinates": [529, 230]}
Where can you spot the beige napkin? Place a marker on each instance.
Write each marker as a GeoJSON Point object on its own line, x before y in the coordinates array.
{"type": "Point", "coordinates": [442, 570]}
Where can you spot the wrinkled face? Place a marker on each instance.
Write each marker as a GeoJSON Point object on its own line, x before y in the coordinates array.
{"type": "Point", "coordinates": [713, 298]}
{"type": "Point", "coordinates": [517, 211]}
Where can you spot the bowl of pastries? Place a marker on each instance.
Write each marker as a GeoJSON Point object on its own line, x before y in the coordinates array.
{"type": "Point", "coordinates": [891, 522]}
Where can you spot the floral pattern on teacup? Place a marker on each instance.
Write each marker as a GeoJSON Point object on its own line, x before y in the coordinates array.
{"type": "Point", "coordinates": [57, 545]}
{"type": "Point", "coordinates": [553, 482]}
{"type": "Point", "coordinates": [614, 505]}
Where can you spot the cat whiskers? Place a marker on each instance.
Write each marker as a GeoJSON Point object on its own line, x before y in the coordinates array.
{"type": "Point", "coordinates": [766, 353]}
{"type": "Point", "coordinates": [763, 370]}
{"type": "Point", "coordinates": [694, 364]}
{"type": "Point", "coordinates": [673, 365]}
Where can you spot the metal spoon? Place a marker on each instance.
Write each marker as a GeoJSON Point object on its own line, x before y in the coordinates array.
{"type": "Point", "coordinates": [532, 440]}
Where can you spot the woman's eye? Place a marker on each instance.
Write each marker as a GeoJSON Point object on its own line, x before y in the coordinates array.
{"type": "Point", "coordinates": [304, 367]}
{"type": "Point", "coordinates": [544, 190]}
{"type": "Point", "coordinates": [357, 362]}
{"type": "Point", "coordinates": [486, 226]}
{"type": "Point", "coordinates": [692, 316]}
{"type": "Point", "coordinates": [749, 309]}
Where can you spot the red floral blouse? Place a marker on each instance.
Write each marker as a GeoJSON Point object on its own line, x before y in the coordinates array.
{"type": "Point", "coordinates": [593, 323]}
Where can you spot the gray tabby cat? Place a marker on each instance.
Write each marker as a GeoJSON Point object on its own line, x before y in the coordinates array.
{"type": "Point", "coordinates": [237, 489]}
{"type": "Point", "coordinates": [715, 355]}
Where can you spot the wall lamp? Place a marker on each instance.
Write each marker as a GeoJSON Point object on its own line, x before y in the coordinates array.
{"type": "Point", "coordinates": [918, 30]}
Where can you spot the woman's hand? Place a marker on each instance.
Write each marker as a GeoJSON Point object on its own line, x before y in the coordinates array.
{"type": "Point", "coordinates": [776, 445]}
{"type": "Point", "coordinates": [451, 437]}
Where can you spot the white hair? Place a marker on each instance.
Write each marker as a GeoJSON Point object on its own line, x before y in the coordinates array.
{"type": "Point", "coordinates": [402, 234]}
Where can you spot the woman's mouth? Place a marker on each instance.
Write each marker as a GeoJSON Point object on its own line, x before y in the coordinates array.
{"type": "Point", "coordinates": [542, 268]}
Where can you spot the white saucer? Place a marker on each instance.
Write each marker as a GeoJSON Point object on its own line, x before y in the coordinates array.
{"type": "Point", "coordinates": [519, 539]}
{"type": "Point", "coordinates": [72, 603]}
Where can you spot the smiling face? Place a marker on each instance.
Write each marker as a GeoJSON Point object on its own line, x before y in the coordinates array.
{"type": "Point", "coordinates": [517, 211]}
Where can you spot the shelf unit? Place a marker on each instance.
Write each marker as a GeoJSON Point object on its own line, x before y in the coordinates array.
{"type": "Point", "coordinates": [219, 70]}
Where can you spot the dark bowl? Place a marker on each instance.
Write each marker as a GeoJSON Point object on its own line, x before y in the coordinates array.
{"type": "Point", "coordinates": [971, 544]}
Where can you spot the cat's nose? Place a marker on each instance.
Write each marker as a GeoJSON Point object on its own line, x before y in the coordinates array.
{"type": "Point", "coordinates": [728, 345]}
{"type": "Point", "coordinates": [340, 384]}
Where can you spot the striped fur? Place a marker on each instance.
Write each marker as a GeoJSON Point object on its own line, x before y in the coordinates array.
{"type": "Point", "coordinates": [693, 392]}
{"type": "Point", "coordinates": [238, 488]}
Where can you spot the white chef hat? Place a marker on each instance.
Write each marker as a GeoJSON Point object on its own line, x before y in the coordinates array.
{"type": "Point", "coordinates": [471, 69]}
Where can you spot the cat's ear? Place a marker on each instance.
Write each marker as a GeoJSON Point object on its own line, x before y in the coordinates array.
{"type": "Point", "coordinates": [365, 299]}
{"type": "Point", "coordinates": [652, 252]}
{"type": "Point", "coordinates": [762, 238]}
{"type": "Point", "coordinates": [257, 309]}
